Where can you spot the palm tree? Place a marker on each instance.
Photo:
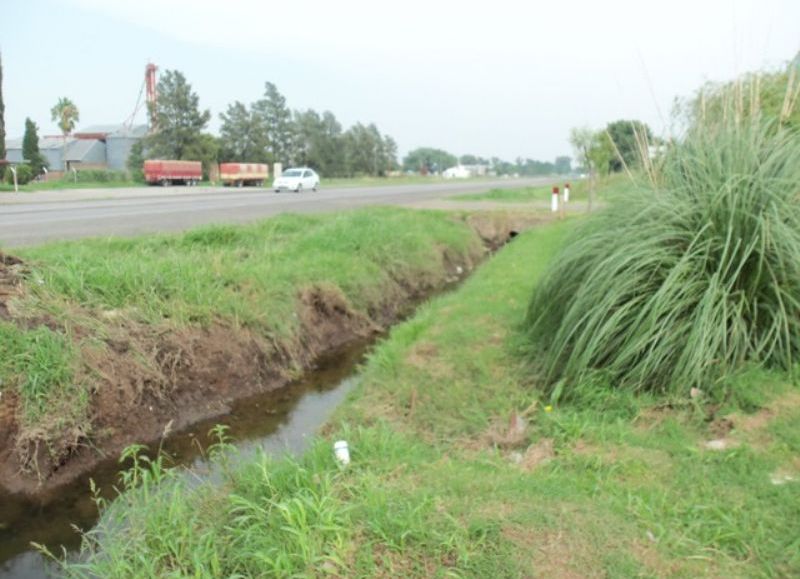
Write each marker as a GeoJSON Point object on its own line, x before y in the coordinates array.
{"type": "Point", "coordinates": [65, 114]}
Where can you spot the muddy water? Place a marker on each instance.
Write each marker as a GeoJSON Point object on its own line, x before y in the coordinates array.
{"type": "Point", "coordinates": [278, 421]}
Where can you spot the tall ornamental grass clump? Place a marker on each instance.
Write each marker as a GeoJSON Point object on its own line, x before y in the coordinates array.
{"type": "Point", "coordinates": [677, 285]}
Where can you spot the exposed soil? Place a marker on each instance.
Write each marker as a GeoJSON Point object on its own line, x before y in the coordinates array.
{"type": "Point", "coordinates": [10, 282]}
{"type": "Point", "coordinates": [495, 228]}
{"type": "Point", "coordinates": [146, 380]}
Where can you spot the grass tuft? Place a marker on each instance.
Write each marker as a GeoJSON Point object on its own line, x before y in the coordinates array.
{"type": "Point", "coordinates": [38, 363]}
{"type": "Point", "coordinates": [682, 283]}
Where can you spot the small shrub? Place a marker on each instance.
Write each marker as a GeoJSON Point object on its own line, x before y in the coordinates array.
{"type": "Point", "coordinates": [24, 175]}
{"type": "Point", "coordinates": [96, 176]}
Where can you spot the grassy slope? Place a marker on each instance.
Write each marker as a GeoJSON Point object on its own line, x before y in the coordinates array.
{"type": "Point", "coordinates": [247, 276]}
{"type": "Point", "coordinates": [438, 485]}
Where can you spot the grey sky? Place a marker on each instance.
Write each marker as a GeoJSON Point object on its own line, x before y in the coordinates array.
{"type": "Point", "coordinates": [497, 78]}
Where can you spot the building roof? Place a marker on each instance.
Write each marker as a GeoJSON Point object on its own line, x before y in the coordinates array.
{"type": "Point", "coordinates": [47, 142]}
{"type": "Point", "coordinates": [76, 150]}
{"type": "Point", "coordinates": [54, 142]}
{"type": "Point", "coordinates": [113, 131]}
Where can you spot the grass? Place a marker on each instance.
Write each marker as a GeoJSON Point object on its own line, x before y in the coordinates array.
{"type": "Point", "coordinates": [682, 283]}
{"type": "Point", "coordinates": [610, 483]}
{"type": "Point", "coordinates": [248, 274]}
{"type": "Point", "coordinates": [79, 297]}
{"type": "Point", "coordinates": [608, 188]}
{"type": "Point", "coordinates": [66, 184]}
{"type": "Point", "coordinates": [335, 182]}
{"type": "Point", "coordinates": [40, 363]}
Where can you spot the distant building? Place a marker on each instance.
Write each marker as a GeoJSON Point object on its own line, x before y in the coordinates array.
{"type": "Point", "coordinates": [465, 171]}
{"type": "Point", "coordinates": [118, 141]}
{"type": "Point", "coordinates": [95, 147]}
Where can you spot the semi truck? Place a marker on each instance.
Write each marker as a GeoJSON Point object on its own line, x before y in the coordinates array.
{"type": "Point", "coordinates": [161, 172]}
{"type": "Point", "coordinates": [241, 174]}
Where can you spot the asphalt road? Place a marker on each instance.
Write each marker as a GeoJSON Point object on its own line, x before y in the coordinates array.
{"type": "Point", "coordinates": [35, 218]}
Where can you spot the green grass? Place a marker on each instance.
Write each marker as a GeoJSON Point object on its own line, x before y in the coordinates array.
{"type": "Point", "coordinates": [681, 284]}
{"type": "Point", "coordinates": [57, 185]}
{"type": "Point", "coordinates": [38, 365]}
{"type": "Point", "coordinates": [80, 296]}
{"type": "Point", "coordinates": [608, 188]}
{"type": "Point", "coordinates": [434, 488]}
{"type": "Point", "coordinates": [249, 274]}
{"type": "Point", "coordinates": [335, 182]}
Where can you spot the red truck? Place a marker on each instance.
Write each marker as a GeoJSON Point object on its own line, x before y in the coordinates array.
{"type": "Point", "coordinates": [159, 172]}
{"type": "Point", "coordinates": [240, 174]}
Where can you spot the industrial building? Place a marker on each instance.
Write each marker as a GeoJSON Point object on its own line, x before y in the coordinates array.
{"type": "Point", "coordinates": [94, 147]}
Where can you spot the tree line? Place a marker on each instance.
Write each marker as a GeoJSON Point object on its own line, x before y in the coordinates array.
{"type": "Point", "coordinates": [269, 131]}
{"type": "Point", "coordinates": [265, 131]}
{"type": "Point", "coordinates": [427, 160]}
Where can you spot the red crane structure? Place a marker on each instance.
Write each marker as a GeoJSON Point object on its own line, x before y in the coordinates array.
{"type": "Point", "coordinates": [149, 88]}
{"type": "Point", "coordinates": [152, 94]}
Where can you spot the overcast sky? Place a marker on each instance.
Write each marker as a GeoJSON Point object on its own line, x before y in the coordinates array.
{"type": "Point", "coordinates": [494, 78]}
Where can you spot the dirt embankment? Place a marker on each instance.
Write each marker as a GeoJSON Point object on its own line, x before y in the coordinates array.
{"type": "Point", "coordinates": [145, 379]}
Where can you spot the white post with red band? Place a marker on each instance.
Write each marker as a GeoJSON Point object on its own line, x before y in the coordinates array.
{"type": "Point", "coordinates": [566, 193]}
{"type": "Point", "coordinates": [554, 200]}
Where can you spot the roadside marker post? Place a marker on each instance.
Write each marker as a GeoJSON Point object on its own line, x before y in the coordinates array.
{"type": "Point", "coordinates": [554, 200]}
{"type": "Point", "coordinates": [566, 193]}
{"type": "Point", "coordinates": [14, 172]}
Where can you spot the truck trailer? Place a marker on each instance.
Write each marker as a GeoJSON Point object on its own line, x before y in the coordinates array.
{"type": "Point", "coordinates": [241, 174]}
{"type": "Point", "coordinates": [160, 172]}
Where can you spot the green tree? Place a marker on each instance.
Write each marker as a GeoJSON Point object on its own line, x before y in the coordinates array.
{"type": "Point", "coordinates": [581, 139]}
{"type": "Point", "coordinates": [628, 137]}
{"type": "Point", "coordinates": [320, 143]}
{"type": "Point", "coordinates": [563, 165]}
{"type": "Point", "coordinates": [277, 118]}
{"type": "Point", "coordinates": [180, 120]}
{"type": "Point", "coordinates": [533, 167]}
{"type": "Point", "coordinates": [501, 167]}
{"type": "Point", "coordinates": [389, 154]}
{"type": "Point", "coordinates": [66, 115]}
{"type": "Point", "coordinates": [308, 139]}
{"type": "Point", "coordinates": [428, 160]}
{"type": "Point", "coordinates": [135, 161]}
{"type": "Point", "coordinates": [330, 151]}
{"type": "Point", "coordinates": [601, 154]}
{"type": "Point", "coordinates": [2, 120]}
{"type": "Point", "coordinates": [30, 148]}
{"type": "Point", "coordinates": [204, 148]}
{"type": "Point", "coordinates": [242, 135]}
{"type": "Point", "coordinates": [367, 152]}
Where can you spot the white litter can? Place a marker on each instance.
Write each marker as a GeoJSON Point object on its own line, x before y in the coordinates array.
{"type": "Point", "coordinates": [342, 452]}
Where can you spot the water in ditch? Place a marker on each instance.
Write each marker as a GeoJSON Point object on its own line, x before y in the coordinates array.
{"type": "Point", "coordinates": [280, 421]}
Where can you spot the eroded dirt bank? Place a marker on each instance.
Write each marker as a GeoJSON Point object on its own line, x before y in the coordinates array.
{"type": "Point", "coordinates": [147, 379]}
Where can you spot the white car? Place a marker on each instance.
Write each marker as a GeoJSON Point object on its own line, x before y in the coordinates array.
{"type": "Point", "coordinates": [296, 180]}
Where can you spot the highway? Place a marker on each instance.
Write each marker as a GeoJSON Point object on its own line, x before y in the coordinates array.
{"type": "Point", "coordinates": [34, 218]}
